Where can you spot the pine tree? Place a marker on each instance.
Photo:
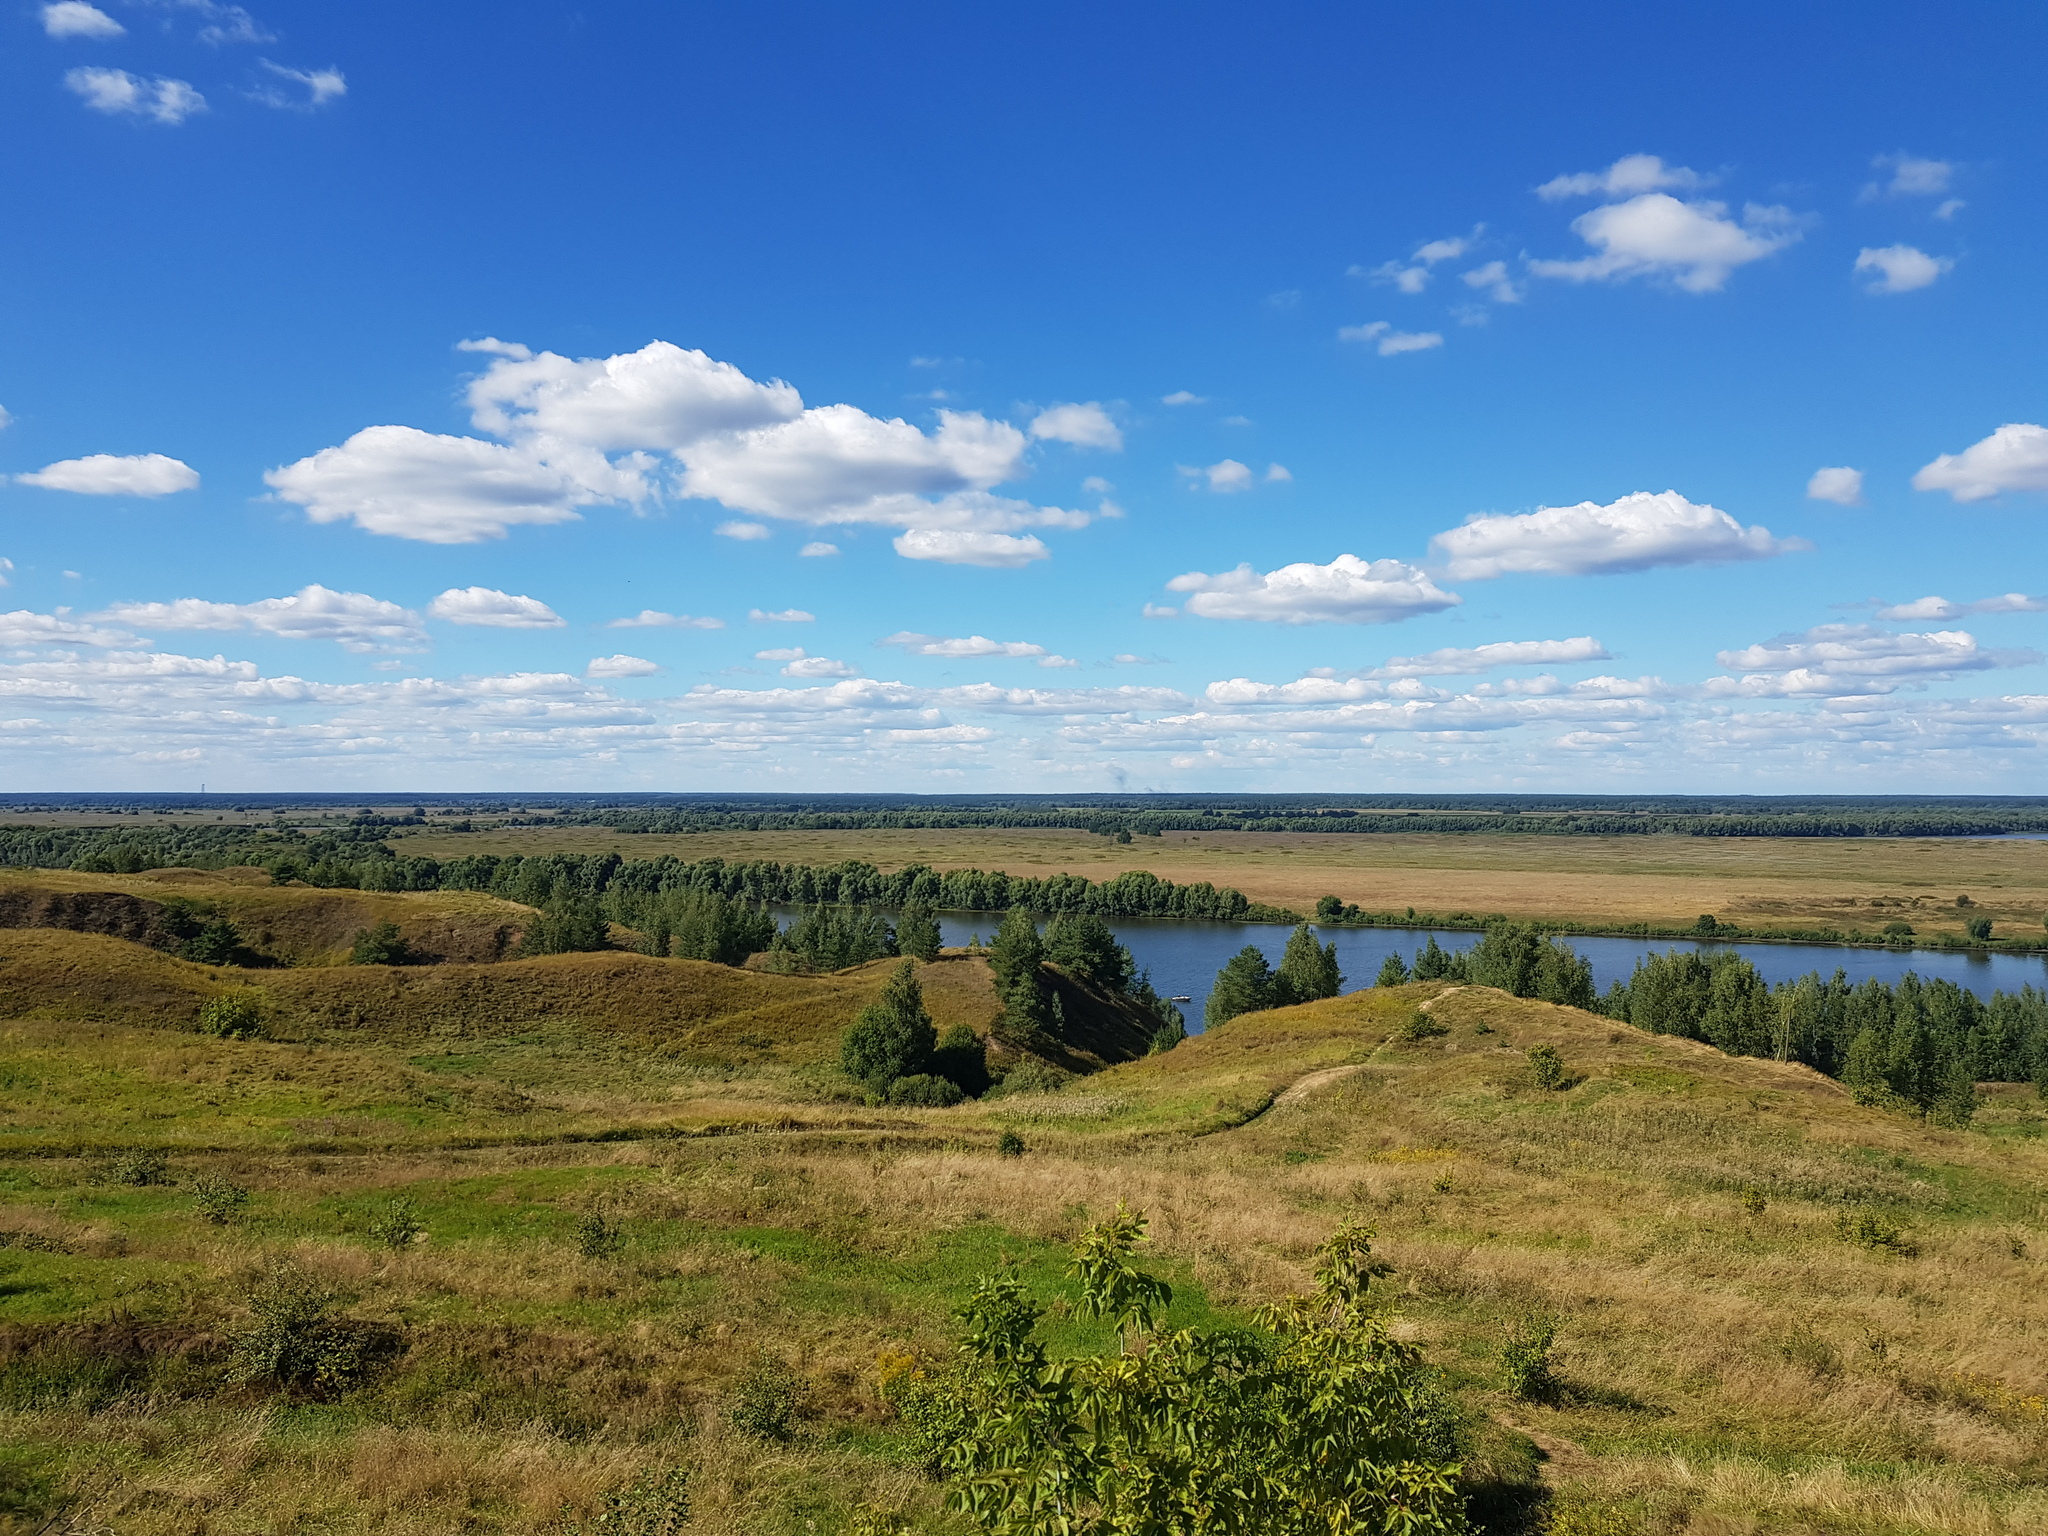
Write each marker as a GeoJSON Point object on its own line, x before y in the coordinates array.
{"type": "Point", "coordinates": [917, 932]}
{"type": "Point", "coordinates": [1244, 985]}
{"type": "Point", "coordinates": [893, 1036]}
{"type": "Point", "coordinates": [1308, 969]}
{"type": "Point", "coordinates": [1393, 971]}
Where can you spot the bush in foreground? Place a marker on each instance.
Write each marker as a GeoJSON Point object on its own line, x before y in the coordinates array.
{"type": "Point", "coordinates": [1317, 1422]}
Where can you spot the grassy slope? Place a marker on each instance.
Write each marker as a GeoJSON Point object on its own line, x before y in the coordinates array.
{"type": "Point", "coordinates": [299, 924]}
{"type": "Point", "coordinates": [1761, 883]}
{"type": "Point", "coordinates": [1725, 1370]}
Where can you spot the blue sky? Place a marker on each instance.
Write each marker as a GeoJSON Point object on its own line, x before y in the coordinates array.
{"type": "Point", "coordinates": [1062, 398]}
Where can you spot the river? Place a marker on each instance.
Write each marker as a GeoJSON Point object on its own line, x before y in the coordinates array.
{"type": "Point", "coordinates": [1184, 957]}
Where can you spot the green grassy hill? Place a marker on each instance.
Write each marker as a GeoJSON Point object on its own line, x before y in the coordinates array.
{"type": "Point", "coordinates": [1774, 1309]}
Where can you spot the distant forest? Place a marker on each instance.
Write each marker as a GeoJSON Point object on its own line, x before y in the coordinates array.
{"type": "Point", "coordinates": [1146, 815]}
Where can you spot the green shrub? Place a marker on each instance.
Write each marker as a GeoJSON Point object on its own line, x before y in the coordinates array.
{"type": "Point", "coordinates": [1873, 1229]}
{"type": "Point", "coordinates": [236, 1015]}
{"type": "Point", "coordinates": [397, 1224]}
{"type": "Point", "coordinates": [1525, 1362]}
{"type": "Point", "coordinates": [1753, 1201]}
{"type": "Point", "coordinates": [599, 1238]}
{"type": "Point", "coordinates": [1010, 1144]}
{"type": "Point", "coordinates": [1418, 1026]}
{"type": "Point", "coordinates": [139, 1167]}
{"type": "Point", "coordinates": [380, 945]}
{"type": "Point", "coordinates": [1313, 1422]}
{"type": "Point", "coordinates": [1548, 1068]}
{"type": "Point", "coordinates": [767, 1401]}
{"type": "Point", "coordinates": [924, 1091]}
{"type": "Point", "coordinates": [219, 1201]}
{"type": "Point", "coordinates": [657, 1504]}
{"type": "Point", "coordinates": [293, 1337]}
{"type": "Point", "coordinates": [1979, 929]}
{"type": "Point", "coordinates": [962, 1056]}
{"type": "Point", "coordinates": [1031, 1076]}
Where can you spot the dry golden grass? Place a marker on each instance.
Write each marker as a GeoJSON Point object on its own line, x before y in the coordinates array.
{"type": "Point", "coordinates": [1757, 882]}
{"type": "Point", "coordinates": [300, 924]}
{"type": "Point", "coordinates": [1727, 1369]}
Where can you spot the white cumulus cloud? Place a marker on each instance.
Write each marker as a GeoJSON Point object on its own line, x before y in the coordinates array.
{"type": "Point", "coordinates": [1911, 176]}
{"type": "Point", "coordinates": [1841, 485]}
{"type": "Point", "coordinates": [23, 627]}
{"type": "Point", "coordinates": [743, 531]}
{"type": "Point", "coordinates": [1634, 533]}
{"type": "Point", "coordinates": [662, 397]}
{"type": "Point", "coordinates": [74, 18]}
{"type": "Point", "coordinates": [1346, 591]}
{"type": "Point", "coordinates": [967, 645]}
{"type": "Point", "coordinates": [803, 664]}
{"type": "Point", "coordinates": [409, 484]}
{"type": "Point", "coordinates": [818, 549]}
{"type": "Point", "coordinates": [108, 474]}
{"type": "Point", "coordinates": [1183, 397]}
{"type": "Point", "coordinates": [1492, 281]}
{"type": "Point", "coordinates": [1463, 661]}
{"type": "Point", "coordinates": [1628, 176]}
{"type": "Point", "coordinates": [120, 94]}
{"type": "Point", "coordinates": [353, 620]}
{"type": "Point", "coordinates": [620, 666]}
{"type": "Point", "coordinates": [781, 616]}
{"type": "Point", "coordinates": [950, 547]}
{"type": "Point", "coordinates": [1940, 609]}
{"type": "Point", "coordinates": [1390, 342]}
{"type": "Point", "coordinates": [1840, 659]}
{"type": "Point", "coordinates": [1694, 245]}
{"type": "Point", "coordinates": [1900, 268]}
{"type": "Point", "coordinates": [654, 618]}
{"type": "Point", "coordinates": [319, 87]}
{"type": "Point", "coordinates": [490, 608]}
{"type": "Point", "coordinates": [1085, 425]}
{"type": "Point", "coordinates": [2014, 458]}
{"type": "Point", "coordinates": [1226, 476]}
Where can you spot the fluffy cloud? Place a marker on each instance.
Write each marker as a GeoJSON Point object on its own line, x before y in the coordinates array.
{"type": "Point", "coordinates": [1225, 477]}
{"type": "Point", "coordinates": [409, 484]}
{"type": "Point", "coordinates": [1412, 275]}
{"type": "Point", "coordinates": [1840, 659]}
{"type": "Point", "coordinates": [1694, 245]}
{"type": "Point", "coordinates": [319, 85]}
{"type": "Point", "coordinates": [1346, 591]}
{"type": "Point", "coordinates": [2014, 458]}
{"type": "Point", "coordinates": [1183, 397]}
{"type": "Point", "coordinates": [1492, 281]}
{"type": "Point", "coordinates": [996, 550]}
{"type": "Point", "coordinates": [580, 432]}
{"type": "Point", "coordinates": [802, 664]}
{"type": "Point", "coordinates": [620, 666]}
{"type": "Point", "coordinates": [107, 474]}
{"type": "Point", "coordinates": [662, 397]}
{"type": "Point", "coordinates": [74, 18]}
{"type": "Point", "coordinates": [1085, 426]}
{"type": "Point", "coordinates": [781, 616]}
{"type": "Point", "coordinates": [1632, 534]}
{"type": "Point", "coordinates": [25, 628]}
{"type": "Point", "coordinates": [1390, 342]}
{"type": "Point", "coordinates": [492, 609]}
{"type": "Point", "coordinates": [743, 531]}
{"type": "Point", "coordinates": [120, 94]}
{"type": "Point", "coordinates": [1841, 485]}
{"type": "Point", "coordinates": [353, 620]}
{"type": "Point", "coordinates": [818, 549]}
{"type": "Point", "coordinates": [1940, 609]}
{"type": "Point", "coordinates": [1462, 661]}
{"type": "Point", "coordinates": [968, 645]}
{"type": "Point", "coordinates": [1911, 176]}
{"type": "Point", "coordinates": [1628, 176]}
{"type": "Point", "coordinates": [654, 618]}
{"type": "Point", "coordinates": [1900, 268]}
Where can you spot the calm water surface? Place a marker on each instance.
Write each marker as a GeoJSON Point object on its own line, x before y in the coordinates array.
{"type": "Point", "coordinates": [1184, 957]}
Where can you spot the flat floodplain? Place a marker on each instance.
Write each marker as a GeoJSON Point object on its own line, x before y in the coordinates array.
{"type": "Point", "coordinates": [1761, 882]}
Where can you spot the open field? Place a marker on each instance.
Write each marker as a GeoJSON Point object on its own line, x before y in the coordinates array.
{"type": "Point", "coordinates": [1734, 1358]}
{"type": "Point", "coordinates": [1759, 883]}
